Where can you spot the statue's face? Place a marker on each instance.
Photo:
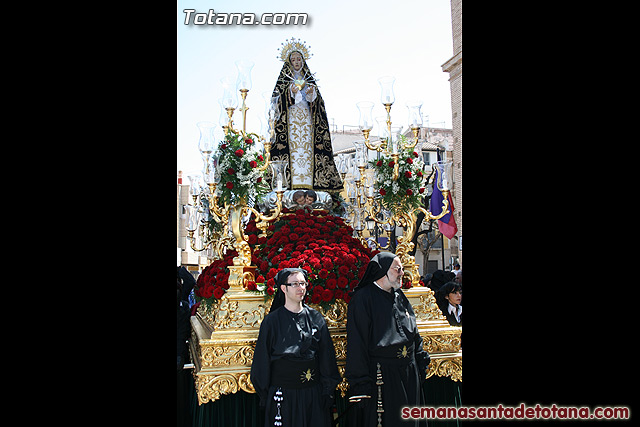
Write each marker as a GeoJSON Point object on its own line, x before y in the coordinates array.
{"type": "Point", "coordinates": [296, 61]}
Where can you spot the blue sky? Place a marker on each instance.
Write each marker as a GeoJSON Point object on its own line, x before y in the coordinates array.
{"type": "Point", "coordinates": [353, 44]}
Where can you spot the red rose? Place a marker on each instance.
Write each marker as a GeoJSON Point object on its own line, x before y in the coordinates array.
{"type": "Point", "coordinates": [409, 160]}
{"type": "Point", "coordinates": [327, 295]}
{"type": "Point", "coordinates": [253, 239]}
{"type": "Point", "coordinates": [223, 146]}
{"type": "Point", "coordinates": [323, 273]}
{"type": "Point", "coordinates": [316, 298]}
{"type": "Point", "coordinates": [260, 157]}
{"type": "Point", "coordinates": [231, 171]}
{"type": "Point", "coordinates": [382, 192]}
{"type": "Point", "coordinates": [251, 286]}
{"type": "Point", "coordinates": [419, 173]}
{"type": "Point", "coordinates": [421, 190]}
{"type": "Point", "coordinates": [339, 294]}
{"type": "Point", "coordinates": [331, 283]}
{"type": "Point", "coordinates": [218, 292]}
{"type": "Point", "coordinates": [260, 279]}
{"type": "Point", "coordinates": [343, 282]}
{"type": "Point", "coordinates": [229, 185]}
{"type": "Point", "coordinates": [379, 163]}
{"type": "Point", "coordinates": [343, 269]}
{"type": "Point", "coordinates": [407, 174]}
{"type": "Point", "coordinates": [253, 163]}
{"type": "Point", "coordinates": [391, 163]}
{"type": "Point", "coordinates": [259, 180]}
{"type": "Point", "coordinates": [409, 192]}
{"type": "Point", "coordinates": [248, 141]}
{"type": "Point", "coordinates": [270, 290]}
{"type": "Point", "coordinates": [415, 154]}
{"type": "Point", "coordinates": [239, 152]}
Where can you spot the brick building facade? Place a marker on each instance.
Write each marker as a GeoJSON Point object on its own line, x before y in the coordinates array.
{"type": "Point", "coordinates": [454, 67]}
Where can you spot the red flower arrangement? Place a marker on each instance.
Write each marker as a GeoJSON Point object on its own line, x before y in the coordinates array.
{"type": "Point", "coordinates": [320, 243]}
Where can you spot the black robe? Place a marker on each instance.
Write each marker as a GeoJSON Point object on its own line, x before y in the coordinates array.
{"type": "Point", "coordinates": [380, 325]}
{"type": "Point", "coordinates": [295, 337]}
{"type": "Point", "coordinates": [325, 173]}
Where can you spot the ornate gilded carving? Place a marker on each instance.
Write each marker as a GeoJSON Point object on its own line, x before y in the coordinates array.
{"type": "Point", "coordinates": [230, 316]}
{"type": "Point", "coordinates": [442, 343]}
{"type": "Point", "coordinates": [336, 315]}
{"type": "Point", "coordinates": [227, 355]}
{"type": "Point", "coordinates": [449, 367]}
{"type": "Point", "coordinates": [427, 308]}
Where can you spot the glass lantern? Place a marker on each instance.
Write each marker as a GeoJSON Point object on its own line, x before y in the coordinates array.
{"type": "Point", "coordinates": [278, 182]}
{"type": "Point", "coordinates": [386, 85]}
{"type": "Point", "coordinates": [244, 74]}
{"type": "Point", "coordinates": [366, 120]}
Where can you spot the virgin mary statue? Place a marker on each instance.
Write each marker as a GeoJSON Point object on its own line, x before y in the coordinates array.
{"type": "Point", "coordinates": [302, 136]}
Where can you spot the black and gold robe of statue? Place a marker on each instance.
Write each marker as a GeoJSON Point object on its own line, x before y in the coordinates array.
{"type": "Point", "coordinates": [381, 328]}
{"type": "Point", "coordinates": [323, 173]}
{"type": "Point", "coordinates": [294, 368]}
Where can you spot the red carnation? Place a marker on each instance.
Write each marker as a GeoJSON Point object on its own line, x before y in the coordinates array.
{"type": "Point", "coordinates": [239, 152]}
{"type": "Point", "coordinates": [229, 185]}
{"type": "Point", "coordinates": [421, 190]}
{"type": "Point", "coordinates": [391, 163]}
{"type": "Point", "coordinates": [379, 163]}
{"type": "Point", "coordinates": [248, 141]}
{"type": "Point", "coordinates": [419, 173]}
{"type": "Point", "coordinates": [382, 192]}
{"type": "Point", "coordinates": [260, 157]}
{"type": "Point", "coordinates": [231, 171]}
{"type": "Point", "coordinates": [259, 180]}
{"type": "Point", "coordinates": [409, 160]}
{"type": "Point", "coordinates": [409, 192]}
{"type": "Point", "coordinates": [253, 163]}
{"type": "Point", "coordinates": [407, 174]}
{"type": "Point", "coordinates": [223, 146]}
{"type": "Point", "coordinates": [415, 154]}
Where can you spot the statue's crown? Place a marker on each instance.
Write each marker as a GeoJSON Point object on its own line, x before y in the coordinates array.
{"type": "Point", "coordinates": [291, 45]}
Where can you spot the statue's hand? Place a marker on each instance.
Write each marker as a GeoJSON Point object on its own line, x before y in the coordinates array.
{"type": "Point", "coordinates": [294, 88]}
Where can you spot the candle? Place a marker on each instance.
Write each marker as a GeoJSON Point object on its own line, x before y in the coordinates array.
{"type": "Point", "coordinates": [279, 185]}
{"type": "Point", "coordinates": [388, 100]}
{"type": "Point", "coordinates": [445, 184]}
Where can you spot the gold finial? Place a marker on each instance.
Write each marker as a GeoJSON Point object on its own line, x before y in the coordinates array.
{"type": "Point", "coordinates": [292, 45]}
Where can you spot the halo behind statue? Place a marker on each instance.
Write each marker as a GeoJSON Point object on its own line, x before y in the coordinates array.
{"type": "Point", "coordinates": [294, 45]}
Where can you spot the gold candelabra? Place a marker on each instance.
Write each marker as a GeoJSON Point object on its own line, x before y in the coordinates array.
{"type": "Point", "coordinates": [227, 230]}
{"type": "Point", "coordinates": [366, 206]}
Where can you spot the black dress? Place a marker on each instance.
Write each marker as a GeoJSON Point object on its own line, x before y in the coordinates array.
{"type": "Point", "coordinates": [382, 329]}
{"type": "Point", "coordinates": [294, 368]}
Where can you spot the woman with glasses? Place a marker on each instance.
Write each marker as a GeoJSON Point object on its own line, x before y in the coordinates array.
{"type": "Point", "coordinates": [386, 363]}
{"type": "Point", "coordinates": [294, 367]}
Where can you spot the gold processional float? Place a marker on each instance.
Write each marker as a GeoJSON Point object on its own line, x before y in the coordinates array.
{"type": "Point", "coordinates": [224, 333]}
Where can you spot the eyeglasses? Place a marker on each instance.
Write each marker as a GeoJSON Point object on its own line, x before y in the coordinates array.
{"type": "Point", "coordinates": [297, 284]}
